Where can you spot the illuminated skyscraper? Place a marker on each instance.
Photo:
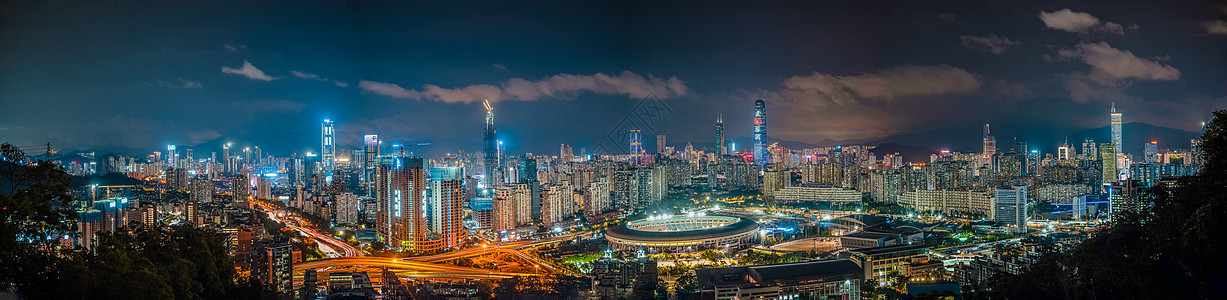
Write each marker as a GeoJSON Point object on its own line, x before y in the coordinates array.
{"type": "Point", "coordinates": [400, 184]}
{"type": "Point", "coordinates": [327, 149]}
{"type": "Point", "coordinates": [990, 147]}
{"type": "Point", "coordinates": [1107, 156]}
{"type": "Point", "coordinates": [172, 157]}
{"type": "Point", "coordinates": [490, 147]}
{"type": "Point", "coordinates": [760, 133]}
{"type": "Point", "coordinates": [1116, 134]}
{"type": "Point", "coordinates": [447, 189]}
{"type": "Point", "coordinates": [370, 145]}
{"type": "Point", "coordinates": [720, 148]}
{"type": "Point", "coordinates": [1152, 152]}
{"type": "Point", "coordinates": [636, 146]}
{"type": "Point", "coordinates": [1063, 151]}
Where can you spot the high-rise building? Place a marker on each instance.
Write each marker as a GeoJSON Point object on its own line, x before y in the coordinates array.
{"type": "Point", "coordinates": [1089, 150]}
{"type": "Point", "coordinates": [1107, 158]}
{"type": "Point", "coordinates": [760, 133]}
{"type": "Point", "coordinates": [1063, 151]}
{"type": "Point", "coordinates": [346, 212]}
{"type": "Point", "coordinates": [191, 213]}
{"type": "Point", "coordinates": [1116, 124]}
{"type": "Point", "coordinates": [400, 187]}
{"type": "Point", "coordinates": [370, 145]}
{"type": "Point", "coordinates": [327, 149]}
{"type": "Point", "coordinates": [660, 144]}
{"type": "Point", "coordinates": [226, 158]}
{"type": "Point", "coordinates": [636, 146]}
{"type": "Point", "coordinates": [720, 147]}
{"type": "Point", "coordinates": [240, 188]}
{"type": "Point", "coordinates": [172, 157]}
{"type": "Point", "coordinates": [598, 197]}
{"type": "Point", "coordinates": [264, 188]}
{"type": "Point", "coordinates": [1010, 207]}
{"type": "Point", "coordinates": [202, 190]}
{"type": "Point", "coordinates": [1152, 152]}
{"type": "Point", "coordinates": [447, 188]}
{"type": "Point", "coordinates": [490, 159]}
{"type": "Point", "coordinates": [990, 147]}
{"type": "Point", "coordinates": [504, 212]}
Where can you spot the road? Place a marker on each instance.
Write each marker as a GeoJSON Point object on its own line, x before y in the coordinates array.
{"type": "Point", "coordinates": [327, 241]}
{"type": "Point", "coordinates": [408, 268]}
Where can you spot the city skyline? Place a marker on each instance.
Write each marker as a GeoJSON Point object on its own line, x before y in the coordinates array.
{"type": "Point", "coordinates": [849, 72]}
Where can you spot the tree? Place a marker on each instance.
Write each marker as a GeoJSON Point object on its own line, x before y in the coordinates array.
{"type": "Point", "coordinates": [1171, 249]}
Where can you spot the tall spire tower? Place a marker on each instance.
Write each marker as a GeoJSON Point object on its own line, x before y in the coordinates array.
{"type": "Point", "coordinates": [760, 133]}
{"type": "Point", "coordinates": [720, 149]}
{"type": "Point", "coordinates": [990, 146]}
{"type": "Point", "coordinates": [490, 147]}
{"type": "Point", "coordinates": [328, 148]}
{"type": "Point", "coordinates": [1116, 123]}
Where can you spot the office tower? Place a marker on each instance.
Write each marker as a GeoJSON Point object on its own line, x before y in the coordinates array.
{"type": "Point", "coordinates": [1023, 157]}
{"type": "Point", "coordinates": [346, 212]}
{"type": "Point", "coordinates": [370, 146]}
{"type": "Point", "coordinates": [660, 145]}
{"type": "Point", "coordinates": [447, 188]}
{"type": "Point", "coordinates": [990, 147]}
{"type": "Point", "coordinates": [172, 157]}
{"type": "Point", "coordinates": [1116, 134]}
{"type": "Point", "coordinates": [1152, 152]}
{"type": "Point", "coordinates": [720, 147]}
{"type": "Point", "coordinates": [264, 188]}
{"type": "Point", "coordinates": [1010, 207]}
{"type": "Point", "coordinates": [400, 187]}
{"type": "Point", "coordinates": [504, 211]}
{"type": "Point", "coordinates": [1089, 150]}
{"type": "Point", "coordinates": [636, 146]}
{"type": "Point", "coordinates": [490, 148]}
{"type": "Point", "coordinates": [1063, 151]}
{"type": "Point", "coordinates": [226, 158]}
{"type": "Point", "coordinates": [760, 133]}
{"type": "Point", "coordinates": [327, 149]}
{"type": "Point", "coordinates": [1107, 158]}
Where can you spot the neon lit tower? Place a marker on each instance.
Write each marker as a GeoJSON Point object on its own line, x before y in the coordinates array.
{"type": "Point", "coordinates": [720, 150]}
{"type": "Point", "coordinates": [328, 148]}
{"type": "Point", "coordinates": [636, 146]}
{"type": "Point", "coordinates": [990, 146]}
{"type": "Point", "coordinates": [490, 147]}
{"type": "Point", "coordinates": [1116, 134]}
{"type": "Point", "coordinates": [760, 133]}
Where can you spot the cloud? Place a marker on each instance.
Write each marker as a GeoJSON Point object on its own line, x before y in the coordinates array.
{"type": "Point", "coordinates": [558, 86]}
{"type": "Point", "coordinates": [1217, 27]}
{"type": "Point", "coordinates": [248, 70]}
{"type": "Point", "coordinates": [500, 67]}
{"type": "Point", "coordinates": [1080, 22]}
{"type": "Point", "coordinates": [182, 84]}
{"type": "Point", "coordinates": [309, 76]}
{"type": "Point", "coordinates": [948, 17]}
{"type": "Point", "coordinates": [992, 43]}
{"type": "Point", "coordinates": [889, 84]}
{"type": "Point", "coordinates": [1112, 67]}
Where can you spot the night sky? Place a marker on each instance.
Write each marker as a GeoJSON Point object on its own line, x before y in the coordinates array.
{"type": "Point", "coordinates": [134, 76]}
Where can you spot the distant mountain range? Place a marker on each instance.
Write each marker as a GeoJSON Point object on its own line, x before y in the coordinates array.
{"type": "Point", "coordinates": [916, 147]}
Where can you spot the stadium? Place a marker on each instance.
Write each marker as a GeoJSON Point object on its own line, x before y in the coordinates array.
{"type": "Point", "coordinates": [683, 233]}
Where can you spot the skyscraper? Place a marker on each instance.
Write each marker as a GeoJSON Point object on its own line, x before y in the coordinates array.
{"type": "Point", "coordinates": [660, 144]}
{"type": "Point", "coordinates": [1063, 151]}
{"type": "Point", "coordinates": [1107, 158]}
{"type": "Point", "coordinates": [1116, 134]}
{"type": "Point", "coordinates": [400, 184]}
{"type": "Point", "coordinates": [1010, 207]}
{"type": "Point", "coordinates": [720, 148]}
{"type": "Point", "coordinates": [760, 133]}
{"type": "Point", "coordinates": [370, 145]}
{"type": "Point", "coordinates": [490, 147]}
{"type": "Point", "coordinates": [990, 147]}
{"type": "Point", "coordinates": [1152, 152]}
{"type": "Point", "coordinates": [327, 149]}
{"type": "Point", "coordinates": [447, 188]}
{"type": "Point", "coordinates": [636, 146]}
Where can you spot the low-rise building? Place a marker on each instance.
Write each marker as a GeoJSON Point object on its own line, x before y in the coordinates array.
{"type": "Point", "coordinates": [825, 279]}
